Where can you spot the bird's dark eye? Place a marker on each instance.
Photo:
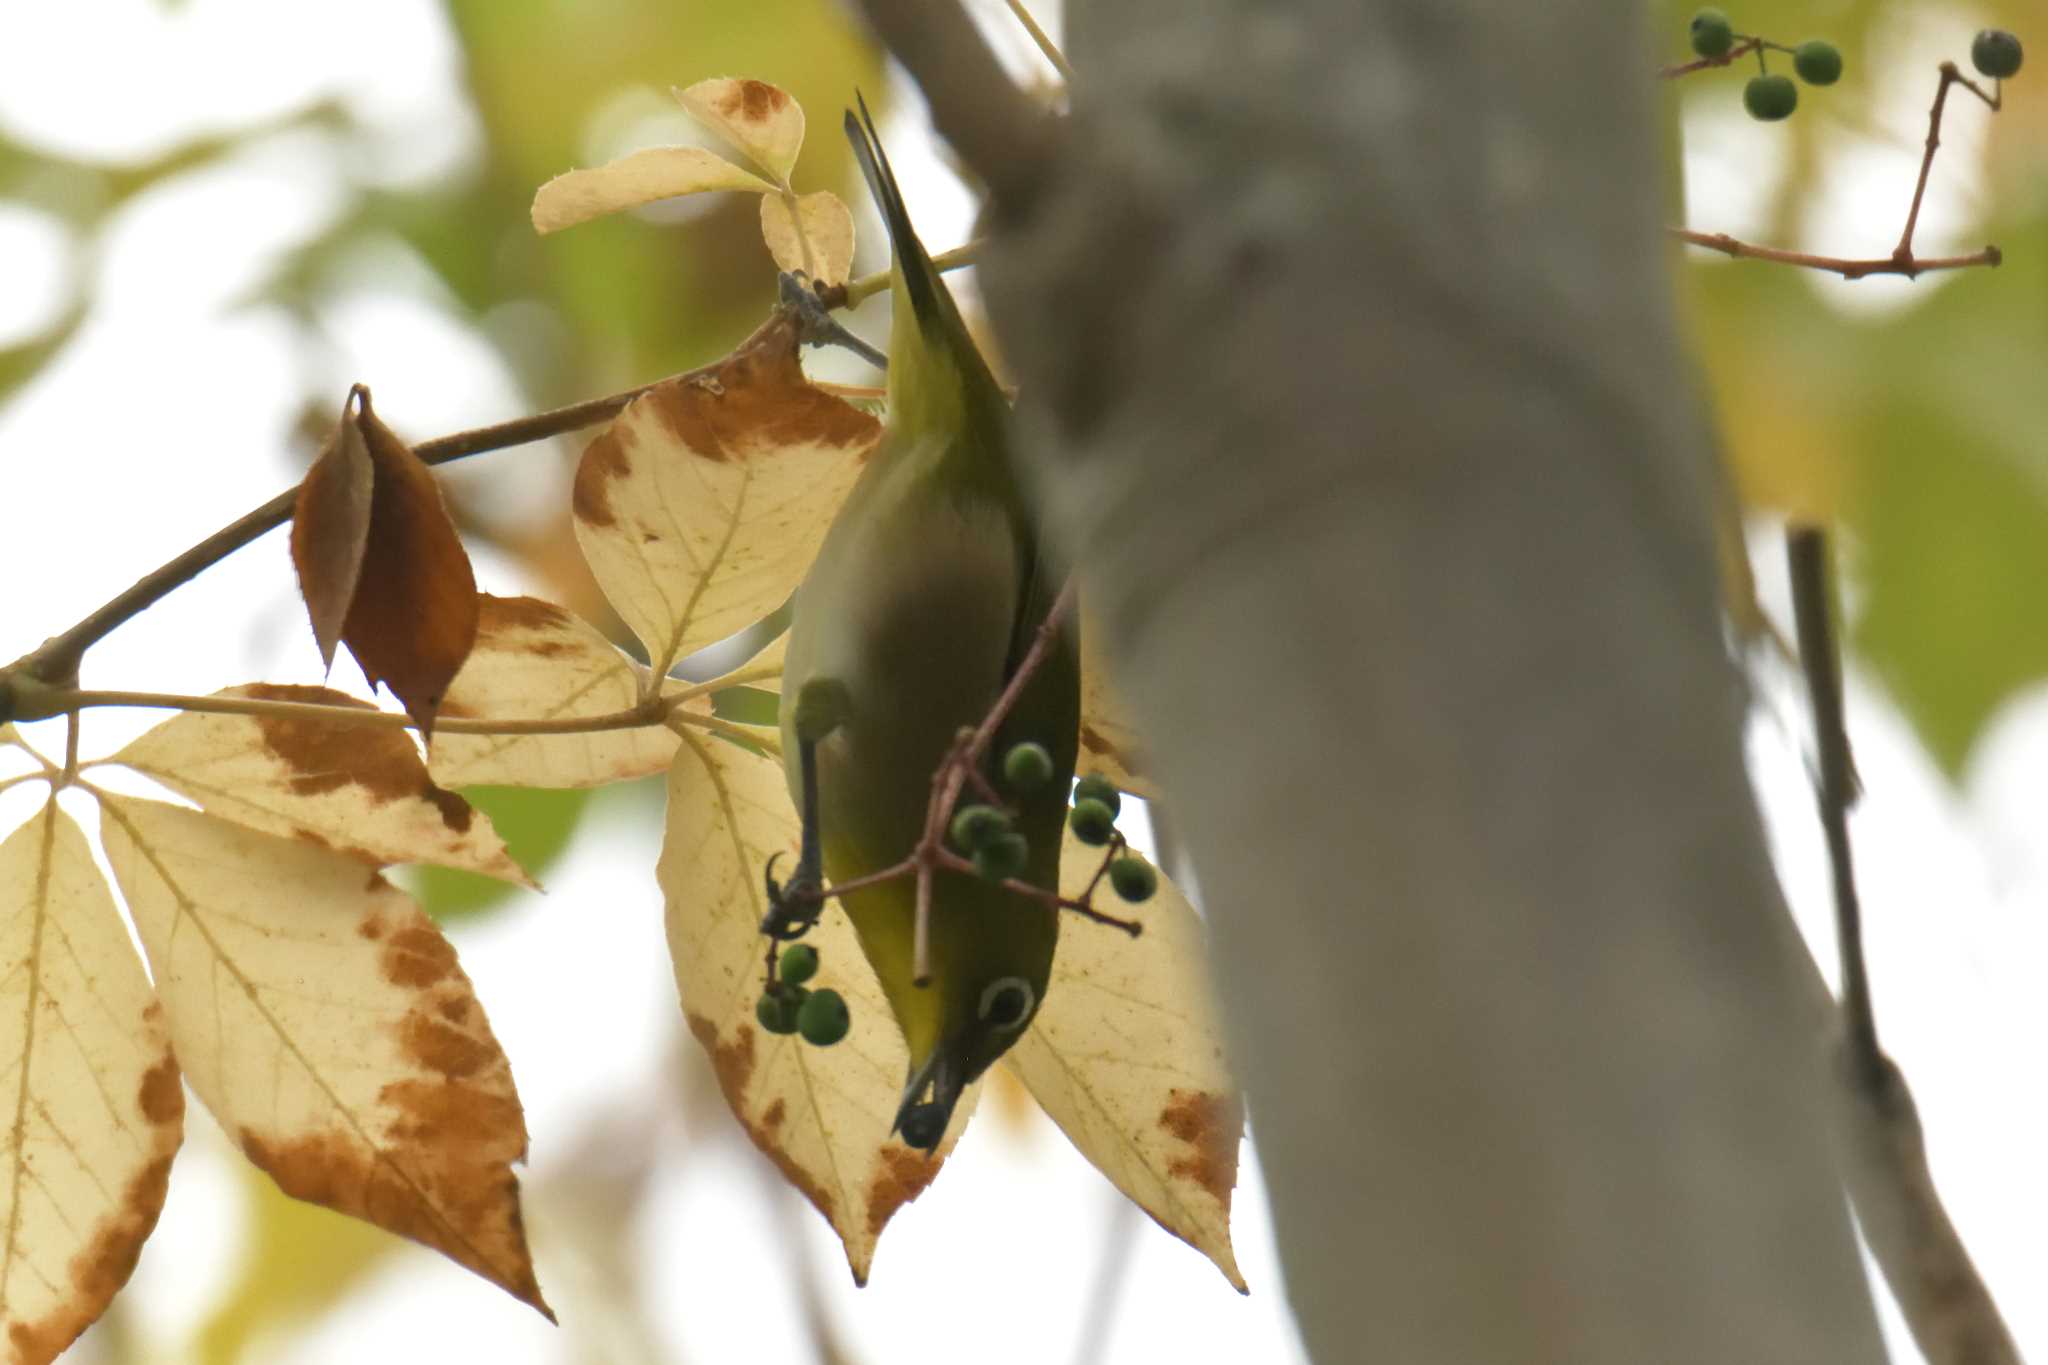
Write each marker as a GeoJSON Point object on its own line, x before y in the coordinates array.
{"type": "Point", "coordinates": [1006, 1002]}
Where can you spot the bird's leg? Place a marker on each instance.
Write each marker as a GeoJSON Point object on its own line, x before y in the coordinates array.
{"type": "Point", "coordinates": [793, 905]}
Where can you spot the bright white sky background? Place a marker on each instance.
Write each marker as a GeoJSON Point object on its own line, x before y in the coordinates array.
{"type": "Point", "coordinates": [172, 411]}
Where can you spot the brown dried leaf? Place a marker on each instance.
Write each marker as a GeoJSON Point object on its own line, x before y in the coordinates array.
{"type": "Point", "coordinates": [534, 660]}
{"type": "Point", "coordinates": [827, 230]}
{"type": "Point", "coordinates": [703, 504]}
{"type": "Point", "coordinates": [95, 1104]}
{"type": "Point", "coordinates": [359, 790]}
{"type": "Point", "coordinates": [331, 529]}
{"type": "Point", "coordinates": [413, 618]}
{"type": "Point", "coordinates": [756, 117]}
{"type": "Point", "coordinates": [637, 178]}
{"type": "Point", "coordinates": [331, 1031]}
{"type": "Point", "coordinates": [1110, 746]}
{"type": "Point", "coordinates": [1126, 1056]}
{"type": "Point", "coordinates": [822, 1115]}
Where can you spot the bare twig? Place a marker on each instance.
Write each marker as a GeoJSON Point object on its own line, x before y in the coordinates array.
{"type": "Point", "coordinates": [855, 292]}
{"type": "Point", "coordinates": [1951, 1314]}
{"type": "Point", "coordinates": [999, 131]}
{"type": "Point", "coordinates": [56, 661]}
{"type": "Point", "coordinates": [1046, 46]}
{"type": "Point", "coordinates": [1847, 268]}
{"type": "Point", "coordinates": [1742, 48]}
{"type": "Point", "coordinates": [1949, 76]}
{"type": "Point", "coordinates": [1902, 261]}
{"type": "Point", "coordinates": [68, 701]}
{"type": "Point", "coordinates": [1806, 557]}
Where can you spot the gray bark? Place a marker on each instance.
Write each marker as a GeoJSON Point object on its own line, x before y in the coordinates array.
{"type": "Point", "coordinates": [1346, 332]}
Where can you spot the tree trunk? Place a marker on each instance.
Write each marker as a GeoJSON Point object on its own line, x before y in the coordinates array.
{"type": "Point", "coordinates": [1347, 333]}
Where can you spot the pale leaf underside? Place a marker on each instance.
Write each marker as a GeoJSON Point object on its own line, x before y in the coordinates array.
{"type": "Point", "coordinates": [635, 179]}
{"type": "Point", "coordinates": [822, 1115]}
{"type": "Point", "coordinates": [533, 660]}
{"type": "Point", "coordinates": [324, 1020]}
{"type": "Point", "coordinates": [1126, 1056]}
{"type": "Point", "coordinates": [827, 230]}
{"type": "Point", "coordinates": [93, 1104]}
{"type": "Point", "coordinates": [1110, 746]}
{"type": "Point", "coordinates": [703, 505]}
{"type": "Point", "coordinates": [359, 790]}
{"type": "Point", "coordinates": [760, 119]}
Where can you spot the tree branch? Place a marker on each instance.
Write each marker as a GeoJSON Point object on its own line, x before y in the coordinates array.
{"type": "Point", "coordinates": [1950, 1312]}
{"type": "Point", "coordinates": [57, 660]}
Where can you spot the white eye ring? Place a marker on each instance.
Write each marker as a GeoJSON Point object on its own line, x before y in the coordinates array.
{"type": "Point", "coordinates": [996, 990]}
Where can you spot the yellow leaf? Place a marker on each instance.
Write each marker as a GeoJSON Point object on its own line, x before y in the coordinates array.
{"type": "Point", "coordinates": [533, 660]}
{"type": "Point", "coordinates": [326, 1023]}
{"type": "Point", "coordinates": [827, 231]}
{"type": "Point", "coordinates": [1126, 1056]}
{"type": "Point", "coordinates": [756, 117]}
{"type": "Point", "coordinates": [702, 506]}
{"type": "Point", "coordinates": [359, 790]}
{"type": "Point", "coordinates": [94, 1109]}
{"type": "Point", "coordinates": [1110, 746]}
{"type": "Point", "coordinates": [637, 178]}
{"type": "Point", "coordinates": [822, 1115]}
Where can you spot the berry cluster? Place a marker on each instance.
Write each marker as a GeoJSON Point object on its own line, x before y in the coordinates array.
{"type": "Point", "coordinates": [1097, 803]}
{"type": "Point", "coordinates": [1768, 96]}
{"type": "Point", "coordinates": [789, 1006]}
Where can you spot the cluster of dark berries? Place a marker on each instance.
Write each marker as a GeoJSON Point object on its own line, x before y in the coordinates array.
{"type": "Point", "coordinates": [789, 1006]}
{"type": "Point", "coordinates": [1768, 96]}
{"type": "Point", "coordinates": [1097, 803]}
{"type": "Point", "coordinates": [988, 834]}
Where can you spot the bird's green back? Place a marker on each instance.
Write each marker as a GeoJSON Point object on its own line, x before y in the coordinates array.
{"type": "Point", "coordinates": [930, 587]}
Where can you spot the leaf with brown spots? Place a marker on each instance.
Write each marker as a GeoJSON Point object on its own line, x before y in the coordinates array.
{"type": "Point", "coordinates": [702, 506]}
{"type": "Point", "coordinates": [325, 1022]}
{"type": "Point", "coordinates": [533, 660]}
{"type": "Point", "coordinates": [1110, 746]}
{"type": "Point", "coordinates": [822, 1115]}
{"type": "Point", "coordinates": [397, 576]}
{"type": "Point", "coordinates": [756, 117]}
{"type": "Point", "coordinates": [826, 229]}
{"type": "Point", "coordinates": [638, 178]}
{"type": "Point", "coordinates": [360, 790]}
{"type": "Point", "coordinates": [94, 1109]}
{"type": "Point", "coordinates": [1126, 1055]}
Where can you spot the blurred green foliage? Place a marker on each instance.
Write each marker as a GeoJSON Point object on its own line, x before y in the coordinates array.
{"type": "Point", "coordinates": [536, 824]}
{"type": "Point", "coordinates": [1917, 428]}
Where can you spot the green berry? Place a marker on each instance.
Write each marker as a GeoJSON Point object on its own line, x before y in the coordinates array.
{"type": "Point", "coordinates": [922, 1125]}
{"type": "Point", "coordinates": [1092, 822]}
{"type": "Point", "coordinates": [974, 826]}
{"type": "Point", "coordinates": [1770, 98]}
{"type": "Point", "coordinates": [1995, 53]}
{"type": "Point", "coordinates": [1712, 34]}
{"type": "Point", "coordinates": [1002, 856]}
{"type": "Point", "coordinates": [798, 964]}
{"type": "Point", "coordinates": [1817, 61]}
{"type": "Point", "coordinates": [1133, 878]}
{"type": "Point", "coordinates": [1027, 767]}
{"type": "Point", "coordinates": [824, 1019]}
{"type": "Point", "coordinates": [777, 1009]}
{"type": "Point", "coordinates": [1094, 788]}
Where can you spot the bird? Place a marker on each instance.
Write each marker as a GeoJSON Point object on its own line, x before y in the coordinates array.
{"type": "Point", "coordinates": [928, 591]}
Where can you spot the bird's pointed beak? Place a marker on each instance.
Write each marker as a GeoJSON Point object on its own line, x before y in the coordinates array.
{"type": "Point", "coordinates": [923, 1121]}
